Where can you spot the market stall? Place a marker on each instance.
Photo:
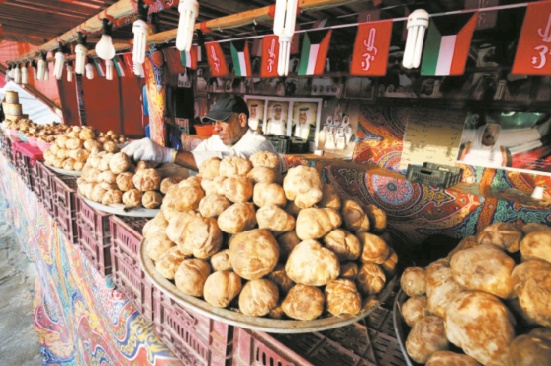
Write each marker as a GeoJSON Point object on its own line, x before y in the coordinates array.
{"type": "Point", "coordinates": [387, 158]}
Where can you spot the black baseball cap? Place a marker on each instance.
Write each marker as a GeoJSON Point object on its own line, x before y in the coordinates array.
{"type": "Point", "coordinates": [223, 109]}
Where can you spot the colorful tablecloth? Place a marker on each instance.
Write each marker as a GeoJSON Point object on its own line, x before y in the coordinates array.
{"type": "Point", "coordinates": [80, 317]}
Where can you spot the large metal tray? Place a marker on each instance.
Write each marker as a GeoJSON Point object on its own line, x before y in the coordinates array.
{"type": "Point", "coordinates": [243, 321]}
{"type": "Point", "coordinates": [72, 173]}
{"type": "Point", "coordinates": [400, 326]}
{"type": "Point", "coordinates": [121, 211]}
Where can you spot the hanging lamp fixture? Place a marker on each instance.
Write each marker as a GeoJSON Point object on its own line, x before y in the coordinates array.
{"type": "Point", "coordinates": [89, 69]}
{"type": "Point", "coordinates": [59, 62]}
{"type": "Point", "coordinates": [284, 27]}
{"type": "Point", "coordinates": [41, 66]}
{"type": "Point", "coordinates": [189, 10]}
{"type": "Point", "coordinates": [17, 74]}
{"type": "Point", "coordinates": [80, 54]}
{"type": "Point", "coordinates": [69, 70]}
{"type": "Point", "coordinates": [104, 48]}
{"type": "Point", "coordinates": [140, 30]}
{"type": "Point", "coordinates": [109, 69]}
{"type": "Point", "coordinates": [25, 74]}
{"type": "Point", "coordinates": [418, 21]}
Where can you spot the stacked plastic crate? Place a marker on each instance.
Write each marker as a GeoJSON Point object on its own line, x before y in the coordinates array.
{"type": "Point", "coordinates": [126, 236]}
{"type": "Point", "coordinates": [43, 187]}
{"type": "Point", "coordinates": [194, 338]}
{"type": "Point", "coordinates": [64, 190]}
{"type": "Point", "coordinates": [94, 236]}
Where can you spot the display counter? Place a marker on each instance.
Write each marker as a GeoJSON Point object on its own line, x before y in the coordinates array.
{"type": "Point", "coordinates": [80, 317]}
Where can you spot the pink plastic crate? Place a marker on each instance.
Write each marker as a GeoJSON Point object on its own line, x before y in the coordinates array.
{"type": "Point", "coordinates": [129, 277]}
{"type": "Point", "coordinates": [126, 235]}
{"type": "Point", "coordinates": [194, 338]}
{"type": "Point", "coordinates": [127, 232]}
{"type": "Point", "coordinates": [67, 224]}
{"type": "Point", "coordinates": [23, 167]}
{"type": "Point", "coordinates": [96, 222]}
{"type": "Point", "coordinates": [44, 180]}
{"type": "Point", "coordinates": [97, 250]}
{"type": "Point", "coordinates": [259, 348]}
{"type": "Point", "coordinates": [64, 192]}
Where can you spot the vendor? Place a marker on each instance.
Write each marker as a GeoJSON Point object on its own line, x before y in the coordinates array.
{"type": "Point", "coordinates": [232, 137]}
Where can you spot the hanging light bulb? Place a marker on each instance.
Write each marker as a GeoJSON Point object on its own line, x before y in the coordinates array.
{"type": "Point", "coordinates": [69, 71]}
{"type": "Point", "coordinates": [137, 69]}
{"type": "Point", "coordinates": [25, 74]}
{"type": "Point", "coordinates": [189, 10]}
{"type": "Point", "coordinates": [105, 48]}
{"type": "Point", "coordinates": [109, 69]}
{"type": "Point", "coordinates": [80, 54]}
{"type": "Point", "coordinates": [17, 74]}
{"type": "Point", "coordinates": [46, 76]}
{"type": "Point", "coordinates": [59, 61]}
{"type": "Point", "coordinates": [284, 27]}
{"type": "Point", "coordinates": [8, 74]}
{"type": "Point", "coordinates": [140, 30]}
{"type": "Point", "coordinates": [41, 66]}
{"type": "Point", "coordinates": [89, 68]}
{"type": "Point", "coordinates": [418, 21]}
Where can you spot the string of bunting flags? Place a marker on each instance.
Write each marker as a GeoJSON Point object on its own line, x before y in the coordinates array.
{"type": "Point", "coordinates": [445, 50]}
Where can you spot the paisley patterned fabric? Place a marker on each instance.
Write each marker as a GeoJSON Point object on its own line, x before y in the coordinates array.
{"type": "Point", "coordinates": [80, 317]}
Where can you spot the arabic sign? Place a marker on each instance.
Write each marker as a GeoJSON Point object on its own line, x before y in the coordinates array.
{"type": "Point", "coordinates": [217, 60]}
{"type": "Point", "coordinates": [270, 54]}
{"type": "Point", "coordinates": [371, 49]}
{"type": "Point", "coordinates": [534, 50]}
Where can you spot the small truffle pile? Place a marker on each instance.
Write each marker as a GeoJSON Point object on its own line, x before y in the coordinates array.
{"type": "Point", "coordinates": [71, 150]}
{"type": "Point", "coordinates": [239, 235]}
{"type": "Point", "coordinates": [480, 299]}
{"type": "Point", "coordinates": [112, 178]}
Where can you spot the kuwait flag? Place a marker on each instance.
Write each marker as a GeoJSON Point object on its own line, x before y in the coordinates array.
{"type": "Point", "coordinates": [118, 64]}
{"type": "Point", "coordinates": [189, 58]}
{"type": "Point", "coordinates": [241, 58]}
{"type": "Point", "coordinates": [99, 67]}
{"type": "Point", "coordinates": [447, 44]}
{"type": "Point", "coordinates": [314, 52]}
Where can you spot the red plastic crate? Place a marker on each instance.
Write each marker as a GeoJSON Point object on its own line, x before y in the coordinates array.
{"type": "Point", "coordinates": [67, 224]}
{"type": "Point", "coordinates": [129, 278]}
{"type": "Point", "coordinates": [194, 338]}
{"type": "Point", "coordinates": [96, 222]}
{"type": "Point", "coordinates": [44, 181]}
{"type": "Point", "coordinates": [23, 167]}
{"type": "Point", "coordinates": [127, 232]}
{"type": "Point", "coordinates": [64, 192]}
{"type": "Point", "coordinates": [258, 348]}
{"type": "Point", "coordinates": [96, 250]}
{"type": "Point", "coordinates": [126, 235]}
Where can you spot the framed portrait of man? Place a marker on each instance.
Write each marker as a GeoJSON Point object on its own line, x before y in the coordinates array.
{"type": "Point", "coordinates": [305, 118]}
{"type": "Point", "coordinates": [256, 112]}
{"type": "Point", "coordinates": [277, 117]}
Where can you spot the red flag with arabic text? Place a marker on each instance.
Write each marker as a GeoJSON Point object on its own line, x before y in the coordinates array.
{"type": "Point", "coordinates": [370, 57]}
{"type": "Point", "coordinates": [270, 56]}
{"type": "Point", "coordinates": [533, 52]}
{"type": "Point", "coordinates": [217, 60]}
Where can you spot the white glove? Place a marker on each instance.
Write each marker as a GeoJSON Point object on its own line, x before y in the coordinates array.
{"type": "Point", "coordinates": [148, 150]}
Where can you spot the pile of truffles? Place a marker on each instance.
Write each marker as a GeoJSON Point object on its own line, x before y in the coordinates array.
{"type": "Point", "coordinates": [71, 150]}
{"type": "Point", "coordinates": [240, 236]}
{"type": "Point", "coordinates": [479, 305]}
{"type": "Point", "coordinates": [112, 178]}
{"type": "Point", "coordinates": [46, 133]}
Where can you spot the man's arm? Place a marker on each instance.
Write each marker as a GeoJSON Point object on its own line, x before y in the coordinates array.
{"type": "Point", "coordinates": [186, 159]}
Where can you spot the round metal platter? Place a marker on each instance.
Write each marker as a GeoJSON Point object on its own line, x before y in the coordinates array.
{"type": "Point", "coordinates": [131, 212]}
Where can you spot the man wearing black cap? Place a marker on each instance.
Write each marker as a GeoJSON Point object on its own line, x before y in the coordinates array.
{"type": "Point", "coordinates": [233, 137]}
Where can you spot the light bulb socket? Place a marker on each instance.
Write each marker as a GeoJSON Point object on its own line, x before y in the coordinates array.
{"type": "Point", "coordinates": [142, 11]}
{"type": "Point", "coordinates": [70, 63]}
{"type": "Point", "coordinates": [107, 27]}
{"type": "Point", "coordinates": [81, 38]}
{"type": "Point", "coordinates": [43, 55]}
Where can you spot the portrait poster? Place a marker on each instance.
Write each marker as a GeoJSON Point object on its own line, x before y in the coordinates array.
{"type": "Point", "coordinates": [256, 112]}
{"type": "Point", "coordinates": [277, 117]}
{"type": "Point", "coordinates": [201, 82]}
{"type": "Point", "coordinates": [510, 140]}
{"type": "Point", "coordinates": [338, 126]}
{"type": "Point", "coordinates": [305, 119]}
